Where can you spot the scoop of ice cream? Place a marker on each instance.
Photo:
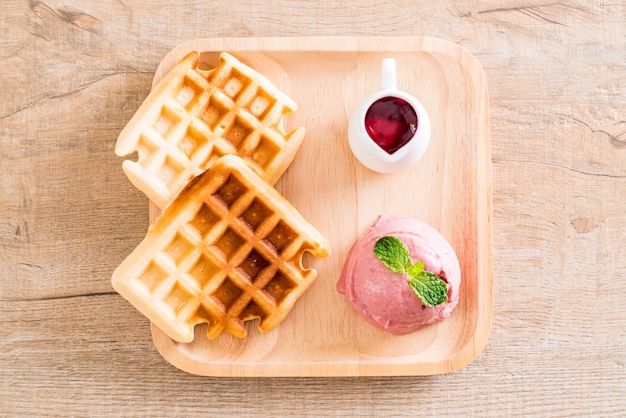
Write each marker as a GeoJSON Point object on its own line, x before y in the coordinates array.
{"type": "Point", "coordinates": [384, 298]}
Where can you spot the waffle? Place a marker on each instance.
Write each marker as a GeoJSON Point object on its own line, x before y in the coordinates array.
{"type": "Point", "coordinates": [193, 117]}
{"type": "Point", "coordinates": [227, 249]}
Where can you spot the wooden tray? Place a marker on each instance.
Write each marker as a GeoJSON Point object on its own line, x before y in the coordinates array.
{"type": "Point", "coordinates": [450, 188]}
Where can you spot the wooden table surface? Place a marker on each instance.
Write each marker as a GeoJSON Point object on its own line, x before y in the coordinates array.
{"type": "Point", "coordinates": [72, 74]}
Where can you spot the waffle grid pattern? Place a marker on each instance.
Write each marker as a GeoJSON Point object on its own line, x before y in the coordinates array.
{"type": "Point", "coordinates": [234, 255]}
{"type": "Point", "coordinates": [201, 116]}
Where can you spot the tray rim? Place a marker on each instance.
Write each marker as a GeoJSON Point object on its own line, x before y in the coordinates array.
{"type": "Point", "coordinates": [476, 343]}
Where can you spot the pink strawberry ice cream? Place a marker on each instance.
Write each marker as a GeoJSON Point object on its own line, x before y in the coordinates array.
{"type": "Point", "coordinates": [384, 298]}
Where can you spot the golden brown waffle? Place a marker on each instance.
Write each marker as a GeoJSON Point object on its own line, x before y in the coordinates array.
{"type": "Point", "coordinates": [193, 117]}
{"type": "Point", "coordinates": [227, 249]}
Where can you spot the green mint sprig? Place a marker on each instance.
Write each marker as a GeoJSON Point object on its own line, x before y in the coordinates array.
{"type": "Point", "coordinates": [430, 288]}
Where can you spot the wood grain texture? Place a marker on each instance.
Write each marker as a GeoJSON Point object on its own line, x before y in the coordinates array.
{"type": "Point", "coordinates": [72, 75]}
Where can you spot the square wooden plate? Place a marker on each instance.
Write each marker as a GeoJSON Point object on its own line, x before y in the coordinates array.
{"type": "Point", "coordinates": [449, 188]}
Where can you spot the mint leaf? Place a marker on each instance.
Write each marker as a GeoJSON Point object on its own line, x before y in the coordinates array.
{"type": "Point", "coordinates": [430, 288]}
{"type": "Point", "coordinates": [416, 269]}
{"type": "Point", "coordinates": [393, 254]}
